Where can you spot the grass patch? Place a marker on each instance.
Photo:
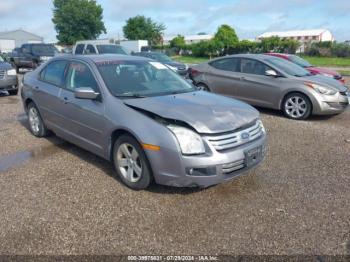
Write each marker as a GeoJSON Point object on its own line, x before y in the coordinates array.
{"type": "Point", "coordinates": [190, 59]}
{"type": "Point", "coordinates": [344, 72]}
{"type": "Point", "coordinates": [328, 61]}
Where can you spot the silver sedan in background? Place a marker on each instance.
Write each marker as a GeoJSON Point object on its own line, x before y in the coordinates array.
{"type": "Point", "coordinates": [146, 119]}
{"type": "Point", "coordinates": [272, 82]}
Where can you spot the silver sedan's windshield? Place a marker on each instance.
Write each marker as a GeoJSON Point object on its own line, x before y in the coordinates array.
{"type": "Point", "coordinates": [141, 79]}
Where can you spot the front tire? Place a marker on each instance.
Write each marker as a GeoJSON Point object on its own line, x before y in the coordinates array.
{"type": "Point", "coordinates": [36, 124]}
{"type": "Point", "coordinates": [131, 163]}
{"type": "Point", "coordinates": [203, 87]}
{"type": "Point", "coordinates": [297, 106]}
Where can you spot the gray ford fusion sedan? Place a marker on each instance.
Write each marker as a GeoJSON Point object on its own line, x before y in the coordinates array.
{"type": "Point", "coordinates": [272, 82]}
{"type": "Point", "coordinates": [146, 119]}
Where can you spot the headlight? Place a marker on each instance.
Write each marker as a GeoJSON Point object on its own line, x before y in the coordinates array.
{"type": "Point", "coordinates": [262, 126]}
{"type": "Point", "coordinates": [190, 142]}
{"type": "Point", "coordinates": [321, 89]}
{"type": "Point", "coordinates": [11, 72]}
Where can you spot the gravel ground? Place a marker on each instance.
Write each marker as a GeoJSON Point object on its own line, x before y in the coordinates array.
{"type": "Point", "coordinates": [56, 198]}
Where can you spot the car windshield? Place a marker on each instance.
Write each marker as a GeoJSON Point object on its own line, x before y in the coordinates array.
{"type": "Point", "coordinates": [44, 49]}
{"type": "Point", "coordinates": [160, 57]}
{"type": "Point", "coordinates": [111, 49]}
{"type": "Point", "coordinates": [299, 61]}
{"type": "Point", "coordinates": [141, 79]}
{"type": "Point", "coordinates": [288, 67]}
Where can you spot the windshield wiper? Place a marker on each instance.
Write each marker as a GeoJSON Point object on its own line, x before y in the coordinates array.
{"type": "Point", "coordinates": [131, 96]}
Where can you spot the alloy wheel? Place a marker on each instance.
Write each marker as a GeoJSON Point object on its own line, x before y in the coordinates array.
{"type": "Point", "coordinates": [129, 162]}
{"type": "Point", "coordinates": [296, 107]}
{"type": "Point", "coordinates": [34, 120]}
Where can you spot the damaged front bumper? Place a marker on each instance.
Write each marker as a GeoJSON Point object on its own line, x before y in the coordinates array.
{"type": "Point", "coordinates": [174, 169]}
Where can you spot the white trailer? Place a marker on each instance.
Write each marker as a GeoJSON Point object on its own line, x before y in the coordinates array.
{"type": "Point", "coordinates": [134, 45]}
{"type": "Point", "coordinates": [7, 45]}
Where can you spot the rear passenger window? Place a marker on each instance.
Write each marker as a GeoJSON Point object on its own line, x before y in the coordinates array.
{"type": "Point", "coordinates": [227, 64]}
{"type": "Point", "coordinates": [90, 49]}
{"type": "Point", "coordinates": [53, 73]}
{"type": "Point", "coordinates": [250, 66]}
{"type": "Point", "coordinates": [79, 75]}
{"type": "Point", "coordinates": [79, 49]}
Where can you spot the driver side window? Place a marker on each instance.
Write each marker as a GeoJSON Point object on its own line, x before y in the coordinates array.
{"type": "Point", "coordinates": [80, 75]}
{"type": "Point", "coordinates": [250, 66]}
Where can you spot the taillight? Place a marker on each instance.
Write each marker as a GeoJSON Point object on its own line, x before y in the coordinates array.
{"type": "Point", "coordinates": [194, 72]}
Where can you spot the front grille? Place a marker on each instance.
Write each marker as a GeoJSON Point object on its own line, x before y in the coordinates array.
{"type": "Point", "coordinates": [231, 167]}
{"type": "Point", "coordinates": [237, 138]}
{"type": "Point", "coordinates": [2, 74]}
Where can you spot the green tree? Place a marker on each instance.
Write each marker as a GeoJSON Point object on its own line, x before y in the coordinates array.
{"type": "Point", "coordinates": [178, 42]}
{"type": "Point", "coordinates": [207, 48]}
{"type": "Point", "coordinates": [76, 20]}
{"type": "Point", "coordinates": [227, 36]}
{"type": "Point", "coordinates": [140, 27]}
{"type": "Point", "coordinates": [275, 44]}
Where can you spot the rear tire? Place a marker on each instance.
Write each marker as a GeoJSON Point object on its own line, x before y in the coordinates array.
{"type": "Point", "coordinates": [36, 124]}
{"type": "Point", "coordinates": [297, 106]}
{"type": "Point", "coordinates": [131, 163]}
{"type": "Point", "coordinates": [203, 87]}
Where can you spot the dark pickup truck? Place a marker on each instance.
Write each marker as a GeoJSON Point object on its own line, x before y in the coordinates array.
{"type": "Point", "coordinates": [31, 55]}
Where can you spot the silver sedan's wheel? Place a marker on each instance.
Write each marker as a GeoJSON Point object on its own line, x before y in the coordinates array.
{"type": "Point", "coordinates": [297, 106]}
{"type": "Point", "coordinates": [36, 124]}
{"type": "Point", "coordinates": [203, 87]}
{"type": "Point", "coordinates": [129, 163]}
{"type": "Point", "coordinates": [34, 120]}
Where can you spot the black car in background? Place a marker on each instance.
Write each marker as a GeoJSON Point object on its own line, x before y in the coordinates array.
{"type": "Point", "coordinates": [164, 59]}
{"type": "Point", "coordinates": [31, 55]}
{"type": "Point", "coordinates": [8, 78]}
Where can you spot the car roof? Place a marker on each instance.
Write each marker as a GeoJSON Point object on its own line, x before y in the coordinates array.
{"type": "Point", "coordinates": [96, 42]}
{"type": "Point", "coordinates": [150, 52]}
{"type": "Point", "coordinates": [278, 54]}
{"type": "Point", "coordinates": [103, 58]}
{"type": "Point", "coordinates": [253, 56]}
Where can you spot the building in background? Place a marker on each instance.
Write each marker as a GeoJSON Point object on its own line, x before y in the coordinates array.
{"type": "Point", "coordinates": [303, 36]}
{"type": "Point", "coordinates": [12, 39]}
{"type": "Point", "coordinates": [189, 39]}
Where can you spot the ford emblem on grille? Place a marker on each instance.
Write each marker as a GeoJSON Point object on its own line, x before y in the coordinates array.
{"type": "Point", "coordinates": [245, 136]}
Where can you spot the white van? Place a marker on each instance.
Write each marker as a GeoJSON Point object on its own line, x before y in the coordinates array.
{"type": "Point", "coordinates": [89, 47]}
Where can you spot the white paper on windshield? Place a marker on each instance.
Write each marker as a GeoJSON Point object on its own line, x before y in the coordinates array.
{"type": "Point", "coordinates": [158, 65]}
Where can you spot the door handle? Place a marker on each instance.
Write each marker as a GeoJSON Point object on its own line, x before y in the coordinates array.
{"type": "Point", "coordinates": [36, 88]}
{"type": "Point", "coordinates": [242, 78]}
{"type": "Point", "coordinates": [65, 100]}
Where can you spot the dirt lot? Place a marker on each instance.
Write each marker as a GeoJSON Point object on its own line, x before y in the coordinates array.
{"type": "Point", "coordinates": [58, 199]}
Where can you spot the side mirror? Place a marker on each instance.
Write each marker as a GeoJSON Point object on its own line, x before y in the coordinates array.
{"type": "Point", "coordinates": [86, 93]}
{"type": "Point", "coordinates": [272, 73]}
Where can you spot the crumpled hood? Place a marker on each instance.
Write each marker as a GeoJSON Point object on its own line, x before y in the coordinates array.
{"type": "Point", "coordinates": [324, 81]}
{"type": "Point", "coordinates": [205, 112]}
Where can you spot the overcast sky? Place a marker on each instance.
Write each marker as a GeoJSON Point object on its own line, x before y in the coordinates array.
{"type": "Point", "coordinates": [249, 17]}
